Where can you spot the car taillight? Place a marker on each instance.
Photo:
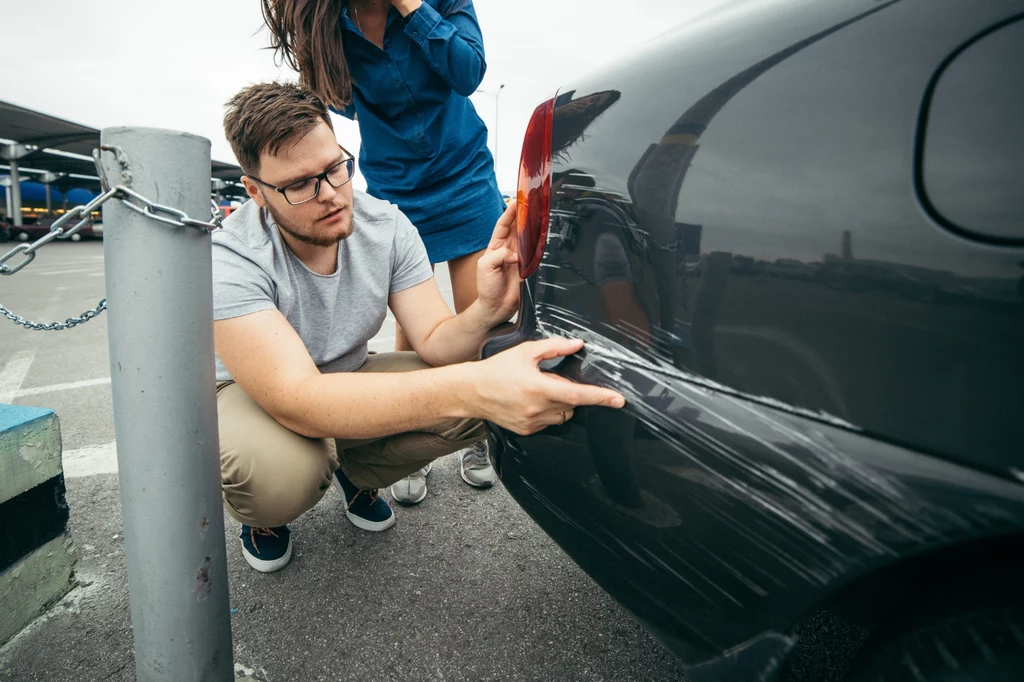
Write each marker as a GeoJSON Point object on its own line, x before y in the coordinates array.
{"type": "Point", "coordinates": [533, 195]}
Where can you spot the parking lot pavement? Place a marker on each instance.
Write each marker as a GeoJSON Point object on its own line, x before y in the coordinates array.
{"type": "Point", "coordinates": [464, 587]}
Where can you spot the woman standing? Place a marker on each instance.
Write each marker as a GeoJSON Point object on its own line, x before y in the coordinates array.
{"type": "Point", "coordinates": [404, 70]}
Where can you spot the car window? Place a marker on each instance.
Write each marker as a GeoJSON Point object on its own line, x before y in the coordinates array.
{"type": "Point", "coordinates": [973, 143]}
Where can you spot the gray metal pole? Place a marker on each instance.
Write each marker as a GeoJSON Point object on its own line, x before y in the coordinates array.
{"type": "Point", "coordinates": [48, 179]}
{"type": "Point", "coordinates": [160, 322]}
{"type": "Point", "coordinates": [6, 182]}
{"type": "Point", "coordinates": [15, 194]}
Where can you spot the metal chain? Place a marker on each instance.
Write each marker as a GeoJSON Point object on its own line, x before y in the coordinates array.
{"type": "Point", "coordinates": [123, 192]}
{"type": "Point", "coordinates": [54, 326]}
{"type": "Point", "coordinates": [57, 231]}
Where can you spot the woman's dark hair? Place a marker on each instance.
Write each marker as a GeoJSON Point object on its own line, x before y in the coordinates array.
{"type": "Point", "coordinates": [307, 36]}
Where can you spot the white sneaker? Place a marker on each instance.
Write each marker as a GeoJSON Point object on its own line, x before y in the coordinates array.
{"type": "Point", "coordinates": [476, 467]}
{"type": "Point", "coordinates": [411, 489]}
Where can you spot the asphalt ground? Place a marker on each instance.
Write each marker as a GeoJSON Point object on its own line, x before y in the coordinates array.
{"type": "Point", "coordinates": [464, 587]}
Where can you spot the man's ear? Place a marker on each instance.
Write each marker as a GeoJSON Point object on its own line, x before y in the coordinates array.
{"type": "Point", "coordinates": [253, 190]}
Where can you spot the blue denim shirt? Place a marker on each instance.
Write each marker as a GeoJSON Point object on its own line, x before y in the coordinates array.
{"type": "Point", "coordinates": [424, 147]}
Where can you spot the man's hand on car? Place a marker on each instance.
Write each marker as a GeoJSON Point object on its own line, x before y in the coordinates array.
{"type": "Point", "coordinates": [517, 396]}
{"type": "Point", "coordinates": [497, 271]}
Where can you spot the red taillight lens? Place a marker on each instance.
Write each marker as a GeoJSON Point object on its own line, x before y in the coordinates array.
{"type": "Point", "coordinates": [533, 195]}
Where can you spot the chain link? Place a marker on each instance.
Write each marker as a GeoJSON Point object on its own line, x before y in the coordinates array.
{"type": "Point", "coordinates": [130, 199]}
{"type": "Point", "coordinates": [57, 231]}
{"type": "Point", "coordinates": [55, 326]}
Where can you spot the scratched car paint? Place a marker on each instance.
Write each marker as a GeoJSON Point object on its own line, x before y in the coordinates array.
{"type": "Point", "coordinates": [756, 226]}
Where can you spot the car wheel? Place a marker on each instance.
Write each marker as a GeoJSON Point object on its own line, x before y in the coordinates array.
{"type": "Point", "coordinates": [984, 646]}
{"type": "Point", "coordinates": [23, 236]}
{"type": "Point", "coordinates": [75, 237]}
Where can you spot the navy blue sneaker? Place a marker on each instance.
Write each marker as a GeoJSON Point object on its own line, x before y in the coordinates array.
{"type": "Point", "coordinates": [364, 508]}
{"type": "Point", "coordinates": [266, 549]}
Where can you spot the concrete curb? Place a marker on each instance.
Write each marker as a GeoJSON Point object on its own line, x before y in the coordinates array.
{"type": "Point", "coordinates": [37, 557]}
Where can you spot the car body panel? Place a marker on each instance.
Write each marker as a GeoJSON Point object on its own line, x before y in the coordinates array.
{"type": "Point", "coordinates": [717, 520]}
{"type": "Point", "coordinates": [863, 308]}
{"type": "Point", "coordinates": [821, 380]}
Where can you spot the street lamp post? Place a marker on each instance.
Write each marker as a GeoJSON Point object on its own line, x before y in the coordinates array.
{"type": "Point", "coordinates": [496, 96]}
{"type": "Point", "coordinates": [6, 182]}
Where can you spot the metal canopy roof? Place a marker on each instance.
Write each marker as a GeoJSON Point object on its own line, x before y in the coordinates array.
{"type": "Point", "coordinates": [28, 127]}
{"type": "Point", "coordinates": [226, 171]}
{"type": "Point", "coordinates": [61, 165]}
{"type": "Point", "coordinates": [31, 127]}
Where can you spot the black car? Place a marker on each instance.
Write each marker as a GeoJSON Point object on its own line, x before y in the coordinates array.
{"type": "Point", "coordinates": [792, 234]}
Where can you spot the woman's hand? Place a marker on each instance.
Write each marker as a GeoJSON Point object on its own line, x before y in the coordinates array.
{"type": "Point", "coordinates": [404, 7]}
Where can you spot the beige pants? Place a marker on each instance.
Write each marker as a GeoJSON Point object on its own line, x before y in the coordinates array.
{"type": "Point", "coordinates": [271, 475]}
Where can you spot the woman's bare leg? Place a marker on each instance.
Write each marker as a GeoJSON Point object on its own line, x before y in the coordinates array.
{"type": "Point", "coordinates": [463, 275]}
{"type": "Point", "coordinates": [475, 466]}
{"type": "Point", "coordinates": [402, 343]}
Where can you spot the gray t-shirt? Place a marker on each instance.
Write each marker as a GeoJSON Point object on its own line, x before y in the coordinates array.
{"type": "Point", "coordinates": [334, 315]}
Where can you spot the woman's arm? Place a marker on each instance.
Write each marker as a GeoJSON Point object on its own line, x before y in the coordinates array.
{"type": "Point", "coordinates": [452, 45]}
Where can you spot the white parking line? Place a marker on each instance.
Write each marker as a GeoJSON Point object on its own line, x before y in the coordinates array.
{"type": "Point", "coordinates": [99, 459]}
{"type": "Point", "coordinates": [69, 264]}
{"type": "Point", "coordinates": [14, 373]}
{"type": "Point", "coordinates": [59, 272]}
{"type": "Point", "coordinates": [36, 390]}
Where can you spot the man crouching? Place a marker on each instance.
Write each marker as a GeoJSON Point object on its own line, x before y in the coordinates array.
{"type": "Point", "coordinates": [303, 277]}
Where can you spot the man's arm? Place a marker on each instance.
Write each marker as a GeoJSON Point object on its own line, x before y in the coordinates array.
{"type": "Point", "coordinates": [266, 357]}
{"type": "Point", "coordinates": [270, 363]}
{"type": "Point", "coordinates": [441, 338]}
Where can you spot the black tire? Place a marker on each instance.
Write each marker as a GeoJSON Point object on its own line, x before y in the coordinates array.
{"type": "Point", "coordinates": [984, 646]}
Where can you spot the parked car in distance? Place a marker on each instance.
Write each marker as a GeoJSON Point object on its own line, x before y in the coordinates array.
{"type": "Point", "coordinates": [29, 232]}
{"type": "Point", "coordinates": [43, 225]}
{"type": "Point", "coordinates": [792, 235]}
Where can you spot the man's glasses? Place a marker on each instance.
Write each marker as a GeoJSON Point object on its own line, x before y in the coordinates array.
{"type": "Point", "coordinates": [301, 191]}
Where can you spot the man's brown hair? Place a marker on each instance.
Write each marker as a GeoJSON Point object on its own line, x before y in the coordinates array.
{"type": "Point", "coordinates": [267, 116]}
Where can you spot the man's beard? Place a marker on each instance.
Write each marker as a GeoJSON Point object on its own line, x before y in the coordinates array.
{"type": "Point", "coordinates": [308, 236]}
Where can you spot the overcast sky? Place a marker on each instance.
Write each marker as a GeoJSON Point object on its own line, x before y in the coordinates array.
{"type": "Point", "coordinates": [173, 64]}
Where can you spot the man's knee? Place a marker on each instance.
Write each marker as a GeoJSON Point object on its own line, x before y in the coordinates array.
{"type": "Point", "coordinates": [380, 463]}
{"type": "Point", "coordinates": [274, 491]}
{"type": "Point", "coordinates": [269, 475]}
